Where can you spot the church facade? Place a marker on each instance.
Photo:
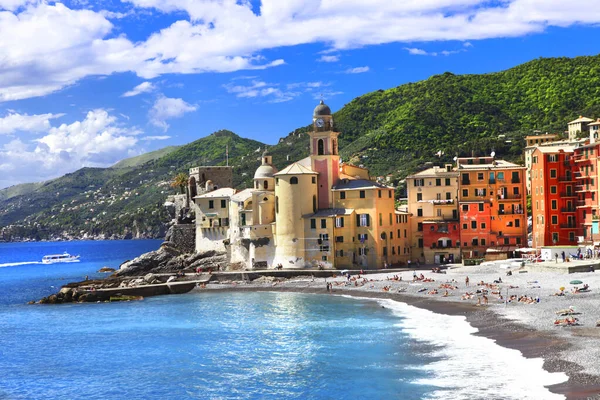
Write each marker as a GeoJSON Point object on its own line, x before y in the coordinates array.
{"type": "Point", "coordinates": [316, 212]}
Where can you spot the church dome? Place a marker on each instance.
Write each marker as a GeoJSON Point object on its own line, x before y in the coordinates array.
{"type": "Point", "coordinates": [322, 109]}
{"type": "Point", "coordinates": [264, 171]}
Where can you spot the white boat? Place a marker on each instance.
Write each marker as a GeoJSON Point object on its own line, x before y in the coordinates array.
{"type": "Point", "coordinates": [59, 258]}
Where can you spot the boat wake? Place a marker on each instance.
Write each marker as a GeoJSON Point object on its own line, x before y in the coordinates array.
{"type": "Point", "coordinates": [15, 264]}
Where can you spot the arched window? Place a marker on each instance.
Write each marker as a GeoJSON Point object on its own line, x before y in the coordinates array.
{"type": "Point", "coordinates": [314, 203]}
{"type": "Point", "coordinates": [265, 185]}
{"type": "Point", "coordinates": [320, 147]}
{"type": "Point", "coordinates": [277, 204]}
{"type": "Point", "coordinates": [293, 180]}
{"type": "Point", "coordinates": [334, 147]}
{"type": "Point", "coordinates": [256, 184]}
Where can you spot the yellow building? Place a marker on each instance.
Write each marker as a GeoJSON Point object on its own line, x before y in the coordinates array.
{"type": "Point", "coordinates": [433, 203]}
{"type": "Point", "coordinates": [316, 212]}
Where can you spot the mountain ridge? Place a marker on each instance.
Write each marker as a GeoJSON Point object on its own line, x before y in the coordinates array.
{"type": "Point", "coordinates": [395, 131]}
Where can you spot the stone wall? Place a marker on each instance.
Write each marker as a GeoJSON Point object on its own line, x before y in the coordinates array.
{"type": "Point", "coordinates": [183, 237]}
{"type": "Point", "coordinates": [221, 177]}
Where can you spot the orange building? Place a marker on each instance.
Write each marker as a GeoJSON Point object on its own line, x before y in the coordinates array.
{"type": "Point", "coordinates": [554, 196]}
{"type": "Point", "coordinates": [585, 167]}
{"type": "Point", "coordinates": [492, 206]}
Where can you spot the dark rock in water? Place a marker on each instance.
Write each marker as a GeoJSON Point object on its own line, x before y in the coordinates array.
{"type": "Point", "coordinates": [106, 269]}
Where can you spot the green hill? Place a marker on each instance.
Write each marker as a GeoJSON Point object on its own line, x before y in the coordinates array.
{"type": "Point", "coordinates": [393, 131]}
{"type": "Point", "coordinates": [117, 202]}
{"type": "Point", "coordinates": [144, 158]}
{"type": "Point", "coordinates": [18, 190]}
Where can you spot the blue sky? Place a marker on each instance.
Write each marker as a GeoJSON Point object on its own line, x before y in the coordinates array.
{"type": "Point", "coordinates": [87, 83]}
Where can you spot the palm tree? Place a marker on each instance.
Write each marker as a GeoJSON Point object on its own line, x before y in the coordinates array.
{"type": "Point", "coordinates": [180, 181]}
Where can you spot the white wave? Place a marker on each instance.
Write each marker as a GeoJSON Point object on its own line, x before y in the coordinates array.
{"type": "Point", "coordinates": [473, 367]}
{"type": "Point", "coordinates": [19, 263]}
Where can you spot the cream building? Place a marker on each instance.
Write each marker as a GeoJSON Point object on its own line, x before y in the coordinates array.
{"type": "Point", "coordinates": [316, 212]}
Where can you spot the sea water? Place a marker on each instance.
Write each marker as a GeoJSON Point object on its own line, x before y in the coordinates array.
{"type": "Point", "coordinates": [215, 345]}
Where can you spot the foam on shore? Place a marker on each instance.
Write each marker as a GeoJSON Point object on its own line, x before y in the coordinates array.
{"type": "Point", "coordinates": [472, 366]}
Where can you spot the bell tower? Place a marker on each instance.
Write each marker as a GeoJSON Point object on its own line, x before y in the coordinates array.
{"type": "Point", "coordinates": [324, 153]}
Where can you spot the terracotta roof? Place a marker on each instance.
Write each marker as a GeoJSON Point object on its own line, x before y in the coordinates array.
{"type": "Point", "coordinates": [581, 119]}
{"type": "Point", "coordinates": [355, 184]}
{"type": "Point", "coordinates": [243, 195]}
{"type": "Point", "coordinates": [597, 122]}
{"type": "Point", "coordinates": [295, 169]}
{"type": "Point", "coordinates": [331, 212]}
{"type": "Point", "coordinates": [556, 149]}
{"type": "Point", "coordinates": [223, 192]}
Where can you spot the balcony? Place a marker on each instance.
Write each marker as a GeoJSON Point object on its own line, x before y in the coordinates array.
{"type": "Point", "coordinates": [566, 179]}
{"type": "Point", "coordinates": [565, 194]}
{"type": "Point", "coordinates": [510, 212]}
{"type": "Point", "coordinates": [568, 209]}
{"type": "Point", "coordinates": [571, 225]}
{"type": "Point", "coordinates": [437, 246]}
{"type": "Point", "coordinates": [508, 197]}
{"type": "Point", "coordinates": [465, 182]}
{"type": "Point", "coordinates": [515, 180]}
{"type": "Point", "coordinates": [492, 181]}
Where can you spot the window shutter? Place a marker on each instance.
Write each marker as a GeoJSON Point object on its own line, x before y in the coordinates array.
{"type": "Point", "coordinates": [357, 219]}
{"type": "Point", "coordinates": [368, 220]}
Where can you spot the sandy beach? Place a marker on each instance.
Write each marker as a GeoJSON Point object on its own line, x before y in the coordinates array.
{"type": "Point", "coordinates": [527, 325]}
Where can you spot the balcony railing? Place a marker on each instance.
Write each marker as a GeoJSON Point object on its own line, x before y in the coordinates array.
{"type": "Point", "coordinates": [565, 194]}
{"type": "Point", "coordinates": [465, 182]}
{"type": "Point", "coordinates": [510, 212]}
{"type": "Point", "coordinates": [572, 225]}
{"type": "Point", "coordinates": [437, 246]}
{"type": "Point", "coordinates": [568, 209]}
{"type": "Point", "coordinates": [515, 180]}
{"type": "Point", "coordinates": [509, 197]}
{"type": "Point", "coordinates": [566, 179]}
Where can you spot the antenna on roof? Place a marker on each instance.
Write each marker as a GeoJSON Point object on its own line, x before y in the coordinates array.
{"type": "Point", "coordinates": [493, 154]}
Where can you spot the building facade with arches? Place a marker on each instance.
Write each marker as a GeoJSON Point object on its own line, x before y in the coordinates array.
{"type": "Point", "coordinates": [315, 212]}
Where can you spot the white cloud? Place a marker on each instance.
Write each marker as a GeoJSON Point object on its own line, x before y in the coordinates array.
{"type": "Point", "coordinates": [263, 89]}
{"type": "Point", "coordinates": [165, 108]}
{"type": "Point", "coordinates": [357, 70]}
{"type": "Point", "coordinates": [150, 138]}
{"type": "Point", "coordinates": [421, 52]}
{"type": "Point", "coordinates": [11, 5]}
{"type": "Point", "coordinates": [47, 46]}
{"type": "Point", "coordinates": [144, 87]}
{"type": "Point", "coordinates": [326, 58]}
{"type": "Point", "coordinates": [417, 52]}
{"type": "Point", "coordinates": [99, 140]}
{"type": "Point", "coordinates": [14, 122]}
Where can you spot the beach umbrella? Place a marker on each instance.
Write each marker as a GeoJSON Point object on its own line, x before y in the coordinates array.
{"type": "Point", "coordinates": [576, 282]}
{"type": "Point", "coordinates": [562, 288]}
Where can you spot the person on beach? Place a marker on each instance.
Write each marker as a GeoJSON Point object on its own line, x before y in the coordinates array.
{"type": "Point", "coordinates": [467, 281]}
{"type": "Point", "coordinates": [562, 254]}
{"type": "Point", "coordinates": [556, 257]}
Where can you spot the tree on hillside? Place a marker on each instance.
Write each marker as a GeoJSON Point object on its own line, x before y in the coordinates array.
{"type": "Point", "coordinates": [180, 180]}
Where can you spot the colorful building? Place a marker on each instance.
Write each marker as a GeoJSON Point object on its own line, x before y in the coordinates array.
{"type": "Point", "coordinates": [531, 143]}
{"type": "Point", "coordinates": [316, 212]}
{"type": "Point", "coordinates": [554, 197]}
{"type": "Point", "coordinates": [433, 204]}
{"type": "Point", "coordinates": [492, 206]}
{"type": "Point", "coordinates": [585, 168]}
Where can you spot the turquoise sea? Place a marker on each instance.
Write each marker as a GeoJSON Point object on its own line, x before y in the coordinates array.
{"type": "Point", "coordinates": [235, 345]}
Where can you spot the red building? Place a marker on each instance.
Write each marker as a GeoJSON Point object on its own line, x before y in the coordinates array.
{"type": "Point", "coordinates": [585, 167]}
{"type": "Point", "coordinates": [440, 236]}
{"type": "Point", "coordinates": [554, 196]}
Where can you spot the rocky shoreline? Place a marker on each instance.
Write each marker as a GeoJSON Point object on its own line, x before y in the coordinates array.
{"type": "Point", "coordinates": [166, 266]}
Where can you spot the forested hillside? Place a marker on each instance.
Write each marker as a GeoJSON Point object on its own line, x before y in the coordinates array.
{"type": "Point", "coordinates": [393, 131]}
